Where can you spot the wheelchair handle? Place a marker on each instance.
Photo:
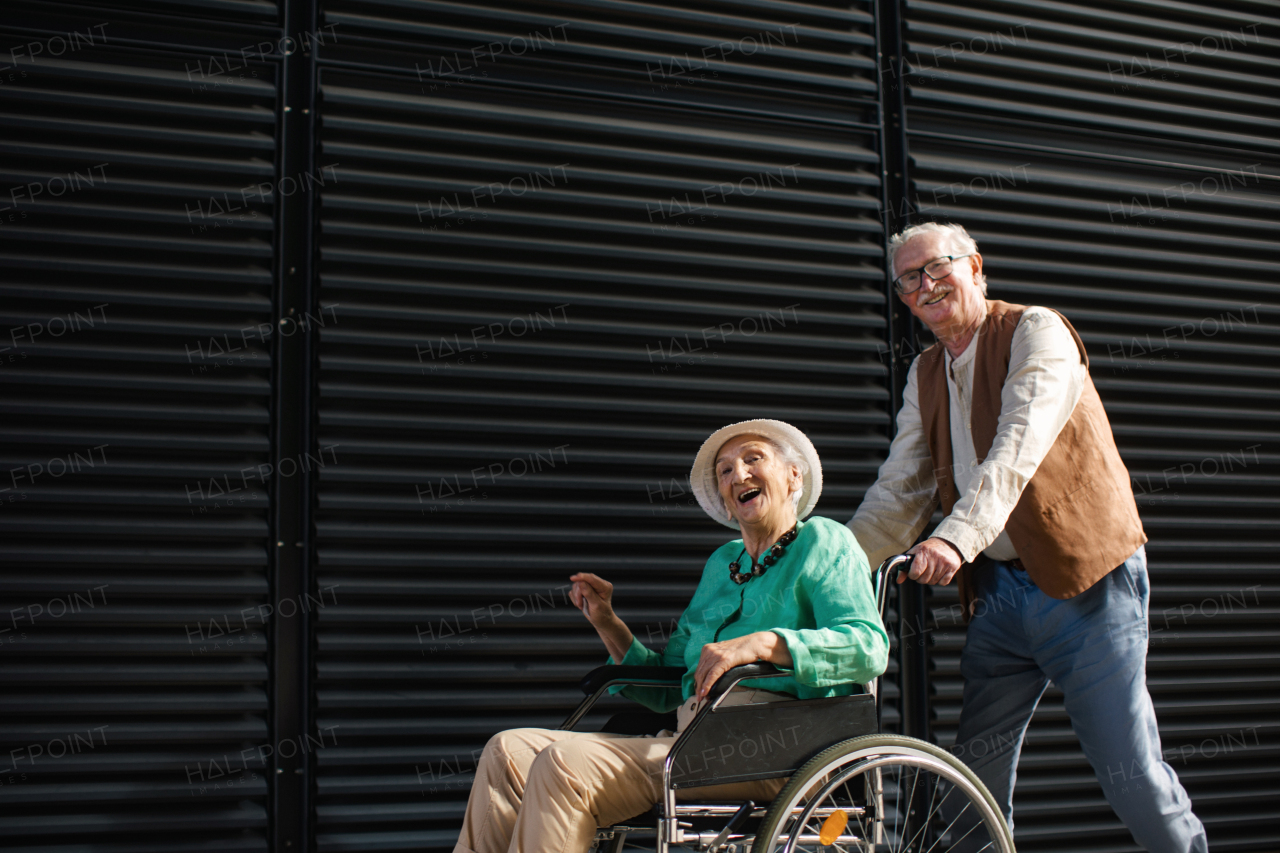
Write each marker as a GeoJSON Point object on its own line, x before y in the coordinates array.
{"type": "Point", "coordinates": [901, 563]}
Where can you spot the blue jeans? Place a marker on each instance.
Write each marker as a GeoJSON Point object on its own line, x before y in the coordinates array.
{"type": "Point", "coordinates": [1094, 647]}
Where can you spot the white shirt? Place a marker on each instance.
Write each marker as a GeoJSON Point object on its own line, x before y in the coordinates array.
{"type": "Point", "coordinates": [1046, 378]}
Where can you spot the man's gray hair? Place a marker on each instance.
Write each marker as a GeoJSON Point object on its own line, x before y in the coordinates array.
{"type": "Point", "coordinates": [958, 242]}
{"type": "Point", "coordinates": [789, 456]}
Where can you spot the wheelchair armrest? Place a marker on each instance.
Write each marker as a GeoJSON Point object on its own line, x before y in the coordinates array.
{"type": "Point", "coordinates": [658, 676]}
{"type": "Point", "coordinates": [738, 673]}
{"type": "Point", "coordinates": [597, 680]}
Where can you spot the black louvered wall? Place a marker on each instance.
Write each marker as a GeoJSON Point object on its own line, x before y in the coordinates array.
{"type": "Point", "coordinates": [136, 373]}
{"type": "Point", "coordinates": [1117, 162]}
{"type": "Point", "coordinates": [555, 245]}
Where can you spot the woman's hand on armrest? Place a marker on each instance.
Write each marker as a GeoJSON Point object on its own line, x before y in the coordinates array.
{"type": "Point", "coordinates": [719, 658]}
{"type": "Point", "coordinates": [593, 595]}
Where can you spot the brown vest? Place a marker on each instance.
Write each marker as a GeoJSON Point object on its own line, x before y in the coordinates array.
{"type": "Point", "coordinates": [1076, 519]}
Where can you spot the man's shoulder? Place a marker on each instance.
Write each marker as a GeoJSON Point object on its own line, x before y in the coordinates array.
{"type": "Point", "coordinates": [1044, 331]}
{"type": "Point", "coordinates": [831, 538]}
{"type": "Point", "coordinates": [1039, 315]}
{"type": "Point", "coordinates": [1035, 323]}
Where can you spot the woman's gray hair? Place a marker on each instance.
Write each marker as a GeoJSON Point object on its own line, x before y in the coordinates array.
{"type": "Point", "coordinates": [958, 241]}
{"type": "Point", "coordinates": [789, 456]}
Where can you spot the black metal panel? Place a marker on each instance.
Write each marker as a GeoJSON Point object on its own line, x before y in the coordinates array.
{"type": "Point", "coordinates": [1168, 275]}
{"type": "Point", "coordinates": [136, 313]}
{"type": "Point", "coordinates": [519, 380]}
{"type": "Point", "coordinates": [811, 52]}
{"type": "Point", "coordinates": [1202, 72]}
{"type": "Point", "coordinates": [189, 11]}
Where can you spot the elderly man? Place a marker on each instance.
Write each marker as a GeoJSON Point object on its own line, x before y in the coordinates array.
{"type": "Point", "coordinates": [1001, 423]}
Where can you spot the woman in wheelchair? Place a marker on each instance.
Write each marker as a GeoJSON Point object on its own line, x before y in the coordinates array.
{"type": "Point", "coordinates": [794, 593]}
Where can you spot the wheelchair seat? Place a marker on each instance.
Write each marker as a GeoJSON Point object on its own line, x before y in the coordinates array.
{"type": "Point", "coordinates": [639, 723]}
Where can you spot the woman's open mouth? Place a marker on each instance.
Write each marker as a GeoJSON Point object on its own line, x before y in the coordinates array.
{"type": "Point", "coordinates": [748, 496]}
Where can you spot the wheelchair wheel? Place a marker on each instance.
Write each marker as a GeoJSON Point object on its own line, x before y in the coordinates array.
{"type": "Point", "coordinates": [884, 794]}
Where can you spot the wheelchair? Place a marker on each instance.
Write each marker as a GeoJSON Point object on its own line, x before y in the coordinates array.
{"type": "Point", "coordinates": [850, 788]}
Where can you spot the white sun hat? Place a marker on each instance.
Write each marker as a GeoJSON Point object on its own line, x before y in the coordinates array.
{"type": "Point", "coordinates": [702, 478]}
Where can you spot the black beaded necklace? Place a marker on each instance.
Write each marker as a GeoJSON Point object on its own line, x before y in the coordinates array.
{"type": "Point", "coordinates": [770, 557]}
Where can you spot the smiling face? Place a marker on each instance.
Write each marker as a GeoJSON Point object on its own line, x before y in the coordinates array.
{"type": "Point", "coordinates": [954, 302]}
{"type": "Point", "coordinates": [755, 483]}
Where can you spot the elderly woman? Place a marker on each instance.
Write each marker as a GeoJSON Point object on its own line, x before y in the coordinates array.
{"type": "Point", "coordinates": [792, 592]}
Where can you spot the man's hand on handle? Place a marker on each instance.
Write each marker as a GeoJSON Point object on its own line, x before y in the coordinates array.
{"type": "Point", "coordinates": [936, 562]}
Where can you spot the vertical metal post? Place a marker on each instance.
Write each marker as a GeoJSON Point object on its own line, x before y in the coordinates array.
{"type": "Point", "coordinates": [902, 347]}
{"type": "Point", "coordinates": [913, 662]}
{"type": "Point", "coordinates": [291, 582]}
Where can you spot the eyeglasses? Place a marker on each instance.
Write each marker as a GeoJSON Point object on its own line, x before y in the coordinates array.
{"type": "Point", "coordinates": [910, 281]}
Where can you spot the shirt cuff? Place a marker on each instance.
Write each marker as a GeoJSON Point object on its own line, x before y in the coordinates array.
{"type": "Point", "coordinates": [966, 538]}
{"type": "Point", "coordinates": [801, 662]}
{"type": "Point", "coordinates": [637, 655]}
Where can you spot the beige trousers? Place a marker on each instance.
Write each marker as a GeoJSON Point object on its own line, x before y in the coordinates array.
{"type": "Point", "coordinates": [546, 791]}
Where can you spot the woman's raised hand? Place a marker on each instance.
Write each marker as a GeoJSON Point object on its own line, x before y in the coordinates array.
{"type": "Point", "coordinates": [593, 595]}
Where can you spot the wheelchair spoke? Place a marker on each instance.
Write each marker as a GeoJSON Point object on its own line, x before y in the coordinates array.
{"type": "Point", "coordinates": [934, 808]}
{"type": "Point", "coordinates": [923, 824]}
{"type": "Point", "coordinates": [986, 846]}
{"type": "Point", "coordinates": [946, 830]}
{"type": "Point", "coordinates": [915, 777]}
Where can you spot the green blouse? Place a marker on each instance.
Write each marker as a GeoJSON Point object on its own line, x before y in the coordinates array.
{"type": "Point", "coordinates": [817, 597]}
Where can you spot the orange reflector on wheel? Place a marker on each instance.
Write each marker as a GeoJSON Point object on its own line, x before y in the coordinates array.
{"type": "Point", "coordinates": [832, 827]}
